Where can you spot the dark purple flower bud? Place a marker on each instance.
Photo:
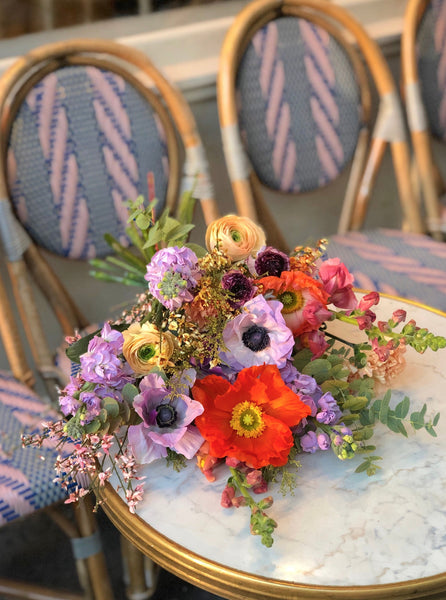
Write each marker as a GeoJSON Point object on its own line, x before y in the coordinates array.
{"type": "Point", "coordinates": [271, 262]}
{"type": "Point", "coordinates": [240, 286]}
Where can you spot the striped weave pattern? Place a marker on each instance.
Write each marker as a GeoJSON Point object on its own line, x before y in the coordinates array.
{"type": "Point", "coordinates": [26, 474]}
{"type": "Point", "coordinates": [83, 142]}
{"type": "Point", "coordinates": [389, 261]}
{"type": "Point", "coordinates": [298, 105]}
{"type": "Point", "coordinates": [431, 60]}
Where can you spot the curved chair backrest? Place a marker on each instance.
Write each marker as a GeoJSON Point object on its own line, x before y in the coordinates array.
{"type": "Point", "coordinates": [294, 105]}
{"type": "Point", "coordinates": [82, 135]}
{"type": "Point", "coordinates": [423, 55]}
{"type": "Point", "coordinates": [86, 125]}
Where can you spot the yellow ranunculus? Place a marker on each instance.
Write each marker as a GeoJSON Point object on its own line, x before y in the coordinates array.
{"type": "Point", "coordinates": [145, 347]}
{"type": "Point", "coordinates": [238, 237]}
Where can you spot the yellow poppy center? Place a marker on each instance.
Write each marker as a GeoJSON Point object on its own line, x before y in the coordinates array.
{"type": "Point", "coordinates": [292, 300]}
{"type": "Point", "coordinates": [247, 420]}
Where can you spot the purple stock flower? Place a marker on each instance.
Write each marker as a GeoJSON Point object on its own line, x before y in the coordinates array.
{"type": "Point", "coordinates": [171, 274]}
{"type": "Point", "coordinates": [323, 440]}
{"type": "Point", "coordinates": [271, 262]}
{"type": "Point", "coordinates": [329, 411]}
{"type": "Point", "coordinates": [258, 336]}
{"type": "Point", "coordinates": [309, 443]}
{"type": "Point", "coordinates": [92, 404]}
{"type": "Point", "coordinates": [312, 441]}
{"type": "Point", "coordinates": [167, 416]}
{"type": "Point", "coordinates": [101, 363]}
{"type": "Point", "coordinates": [69, 397]}
{"type": "Point", "coordinates": [240, 286]}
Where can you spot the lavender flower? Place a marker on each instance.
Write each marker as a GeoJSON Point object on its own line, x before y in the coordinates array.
{"type": "Point", "coordinates": [240, 286]}
{"type": "Point", "coordinates": [69, 397]}
{"type": "Point", "coordinates": [167, 418]}
{"type": "Point", "coordinates": [272, 262]}
{"type": "Point", "coordinates": [171, 274]}
{"type": "Point", "coordinates": [101, 363]}
{"type": "Point", "coordinates": [329, 413]}
{"type": "Point", "coordinates": [257, 336]}
{"type": "Point", "coordinates": [309, 443]}
{"type": "Point", "coordinates": [92, 405]}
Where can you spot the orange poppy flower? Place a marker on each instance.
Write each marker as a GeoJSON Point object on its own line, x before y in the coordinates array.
{"type": "Point", "coordinates": [249, 420]}
{"type": "Point", "coordinates": [304, 300]}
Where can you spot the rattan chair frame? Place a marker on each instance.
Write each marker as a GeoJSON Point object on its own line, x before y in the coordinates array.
{"type": "Point", "coordinates": [92, 571]}
{"type": "Point", "coordinates": [430, 181]}
{"type": "Point", "coordinates": [136, 68]}
{"type": "Point", "coordinates": [245, 187]}
{"type": "Point", "coordinates": [170, 105]}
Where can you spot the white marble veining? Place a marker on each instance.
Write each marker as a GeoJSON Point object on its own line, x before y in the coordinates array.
{"type": "Point", "coordinates": [340, 528]}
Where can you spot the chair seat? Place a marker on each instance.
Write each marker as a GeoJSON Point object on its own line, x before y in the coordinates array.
{"type": "Point", "coordinates": [26, 474]}
{"type": "Point", "coordinates": [393, 262]}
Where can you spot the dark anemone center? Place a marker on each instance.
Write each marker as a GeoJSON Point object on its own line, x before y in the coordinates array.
{"type": "Point", "coordinates": [165, 415]}
{"type": "Point", "coordinates": [256, 338]}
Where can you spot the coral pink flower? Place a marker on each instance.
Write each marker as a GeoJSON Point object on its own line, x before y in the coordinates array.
{"type": "Point", "coordinates": [304, 300]}
{"type": "Point", "coordinates": [338, 282]}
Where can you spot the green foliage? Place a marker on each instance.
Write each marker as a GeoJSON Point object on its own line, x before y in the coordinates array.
{"type": "Point", "coordinates": [128, 265]}
{"type": "Point", "coordinates": [175, 460]}
{"type": "Point", "coordinates": [368, 465]}
{"type": "Point", "coordinates": [286, 475]}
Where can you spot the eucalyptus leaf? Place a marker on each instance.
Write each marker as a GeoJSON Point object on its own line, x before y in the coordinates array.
{"type": "Point", "coordinates": [320, 369]}
{"type": "Point", "coordinates": [402, 408]}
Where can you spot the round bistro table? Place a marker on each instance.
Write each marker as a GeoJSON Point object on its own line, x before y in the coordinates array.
{"type": "Point", "coordinates": [342, 535]}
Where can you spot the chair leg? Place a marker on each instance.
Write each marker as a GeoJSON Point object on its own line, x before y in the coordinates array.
{"type": "Point", "coordinates": [97, 571]}
{"type": "Point", "coordinates": [141, 573]}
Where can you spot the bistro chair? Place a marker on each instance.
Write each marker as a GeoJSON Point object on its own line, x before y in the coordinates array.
{"type": "Point", "coordinates": [85, 126]}
{"type": "Point", "coordinates": [423, 55]}
{"type": "Point", "coordinates": [295, 110]}
{"type": "Point", "coordinates": [27, 475]}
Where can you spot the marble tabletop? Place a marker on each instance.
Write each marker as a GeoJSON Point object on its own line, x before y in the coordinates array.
{"type": "Point", "coordinates": [339, 529]}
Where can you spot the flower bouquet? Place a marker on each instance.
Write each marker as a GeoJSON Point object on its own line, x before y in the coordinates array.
{"type": "Point", "coordinates": [227, 357]}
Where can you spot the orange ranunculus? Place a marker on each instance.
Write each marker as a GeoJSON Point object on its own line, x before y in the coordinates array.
{"type": "Point", "coordinates": [238, 237]}
{"type": "Point", "coordinates": [304, 300]}
{"type": "Point", "coordinates": [249, 420]}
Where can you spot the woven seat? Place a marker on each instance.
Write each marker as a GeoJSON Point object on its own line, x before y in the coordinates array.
{"type": "Point", "coordinates": [295, 113]}
{"type": "Point", "coordinates": [26, 474]}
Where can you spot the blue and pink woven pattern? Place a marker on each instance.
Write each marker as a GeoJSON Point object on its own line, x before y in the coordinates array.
{"type": "Point", "coordinates": [431, 60]}
{"type": "Point", "coordinates": [83, 142]}
{"type": "Point", "coordinates": [26, 474]}
{"type": "Point", "coordinates": [299, 105]}
{"type": "Point", "coordinates": [389, 261]}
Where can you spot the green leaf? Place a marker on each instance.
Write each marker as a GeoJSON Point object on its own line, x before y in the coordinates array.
{"type": "Point", "coordinates": [302, 358]}
{"type": "Point", "coordinates": [199, 250]}
{"type": "Point", "coordinates": [124, 252]}
{"type": "Point", "coordinates": [363, 434]}
{"type": "Point", "coordinates": [143, 221]}
{"type": "Point", "coordinates": [93, 426]}
{"type": "Point", "coordinates": [431, 431]}
{"type": "Point", "coordinates": [129, 391]}
{"type": "Point", "coordinates": [320, 369]}
{"type": "Point", "coordinates": [186, 205]}
{"type": "Point", "coordinates": [355, 403]}
{"type": "Point", "coordinates": [334, 386]}
{"type": "Point", "coordinates": [436, 419]}
{"type": "Point", "coordinates": [178, 232]}
{"type": "Point", "coordinates": [111, 406]}
{"type": "Point", "coordinates": [384, 408]}
{"type": "Point", "coordinates": [402, 408]}
{"type": "Point", "coordinates": [396, 425]}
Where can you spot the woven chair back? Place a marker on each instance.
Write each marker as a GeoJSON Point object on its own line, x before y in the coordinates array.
{"type": "Point", "coordinates": [299, 105]}
{"type": "Point", "coordinates": [431, 63]}
{"type": "Point", "coordinates": [82, 140]}
{"type": "Point", "coordinates": [294, 104]}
